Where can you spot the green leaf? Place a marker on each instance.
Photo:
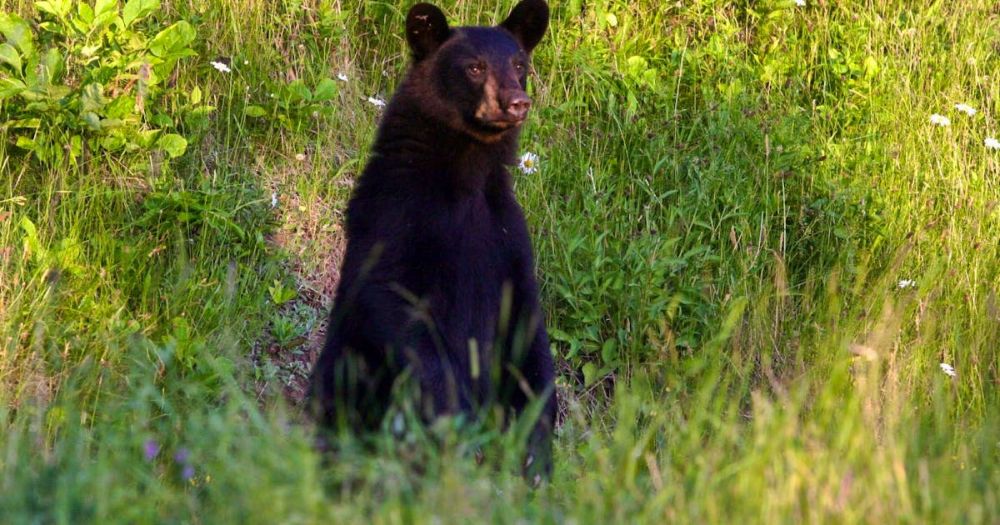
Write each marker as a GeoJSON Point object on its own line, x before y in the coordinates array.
{"type": "Point", "coordinates": [609, 351]}
{"type": "Point", "coordinates": [25, 143]}
{"type": "Point", "coordinates": [148, 137]}
{"type": "Point", "coordinates": [589, 374]}
{"type": "Point", "coordinates": [92, 120]}
{"type": "Point", "coordinates": [57, 8]}
{"type": "Point", "coordinates": [104, 12]}
{"type": "Point", "coordinates": [10, 87]}
{"type": "Point", "coordinates": [172, 40]}
{"type": "Point", "coordinates": [10, 56]}
{"type": "Point", "coordinates": [195, 95]}
{"type": "Point", "coordinates": [137, 9]}
{"type": "Point", "coordinates": [92, 98]}
{"type": "Point", "coordinates": [113, 141]}
{"type": "Point", "coordinates": [162, 120]}
{"type": "Point", "coordinates": [31, 244]}
{"type": "Point", "coordinates": [254, 111]}
{"type": "Point", "coordinates": [325, 90]}
{"type": "Point", "coordinates": [297, 91]}
{"type": "Point", "coordinates": [53, 64]}
{"type": "Point", "coordinates": [28, 123]}
{"type": "Point", "coordinates": [75, 147]}
{"type": "Point", "coordinates": [85, 12]}
{"type": "Point", "coordinates": [173, 144]}
{"type": "Point", "coordinates": [18, 33]}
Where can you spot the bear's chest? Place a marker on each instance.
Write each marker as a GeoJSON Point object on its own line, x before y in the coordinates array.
{"type": "Point", "coordinates": [477, 249]}
{"type": "Point", "coordinates": [477, 258]}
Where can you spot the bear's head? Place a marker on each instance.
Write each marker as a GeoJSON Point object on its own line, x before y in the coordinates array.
{"type": "Point", "coordinates": [473, 79]}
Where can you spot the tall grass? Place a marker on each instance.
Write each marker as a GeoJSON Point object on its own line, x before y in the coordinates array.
{"type": "Point", "coordinates": [756, 252]}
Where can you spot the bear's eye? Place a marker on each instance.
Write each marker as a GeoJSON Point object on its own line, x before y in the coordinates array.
{"type": "Point", "coordinates": [476, 69]}
{"type": "Point", "coordinates": [519, 67]}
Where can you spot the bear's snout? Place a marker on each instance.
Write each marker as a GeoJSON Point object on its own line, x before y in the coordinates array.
{"type": "Point", "coordinates": [516, 105]}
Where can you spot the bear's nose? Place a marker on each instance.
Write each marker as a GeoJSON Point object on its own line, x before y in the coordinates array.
{"type": "Point", "coordinates": [518, 106]}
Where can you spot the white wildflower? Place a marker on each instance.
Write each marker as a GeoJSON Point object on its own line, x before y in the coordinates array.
{"type": "Point", "coordinates": [906, 283]}
{"type": "Point", "coordinates": [800, 3]}
{"type": "Point", "coordinates": [342, 77]}
{"type": "Point", "coordinates": [948, 370]}
{"type": "Point", "coordinates": [528, 163]}
{"type": "Point", "coordinates": [377, 102]}
{"type": "Point", "coordinates": [965, 108]}
{"type": "Point", "coordinates": [246, 62]}
{"type": "Point", "coordinates": [221, 66]}
{"type": "Point", "coordinates": [992, 143]}
{"type": "Point", "coordinates": [300, 157]}
{"type": "Point", "coordinates": [940, 120]}
{"type": "Point", "coordinates": [274, 199]}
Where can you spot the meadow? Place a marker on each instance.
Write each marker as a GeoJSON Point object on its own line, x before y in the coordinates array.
{"type": "Point", "coordinates": [767, 233]}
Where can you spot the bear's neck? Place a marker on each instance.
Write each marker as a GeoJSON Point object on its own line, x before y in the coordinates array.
{"type": "Point", "coordinates": [434, 153]}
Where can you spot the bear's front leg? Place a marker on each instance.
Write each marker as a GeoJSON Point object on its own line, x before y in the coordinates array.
{"type": "Point", "coordinates": [538, 373]}
{"type": "Point", "coordinates": [529, 377]}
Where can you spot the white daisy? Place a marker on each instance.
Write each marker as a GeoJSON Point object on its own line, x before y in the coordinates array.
{"type": "Point", "coordinates": [906, 283]}
{"type": "Point", "coordinates": [221, 66]}
{"type": "Point", "coordinates": [948, 370]}
{"type": "Point", "coordinates": [342, 77]}
{"type": "Point", "coordinates": [800, 3]}
{"type": "Point", "coordinates": [965, 108]}
{"type": "Point", "coordinates": [940, 120]}
{"type": "Point", "coordinates": [377, 102]}
{"type": "Point", "coordinates": [528, 163]}
{"type": "Point", "coordinates": [992, 143]}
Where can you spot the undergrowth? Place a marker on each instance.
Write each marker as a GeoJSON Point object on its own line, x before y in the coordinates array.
{"type": "Point", "coordinates": [770, 279]}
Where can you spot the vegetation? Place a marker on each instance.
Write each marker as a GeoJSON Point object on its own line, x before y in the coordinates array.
{"type": "Point", "coordinates": [758, 256]}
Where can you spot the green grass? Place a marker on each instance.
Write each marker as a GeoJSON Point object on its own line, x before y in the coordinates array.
{"type": "Point", "coordinates": [729, 195]}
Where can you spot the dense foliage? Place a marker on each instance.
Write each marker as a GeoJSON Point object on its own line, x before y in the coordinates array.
{"type": "Point", "coordinates": [771, 277]}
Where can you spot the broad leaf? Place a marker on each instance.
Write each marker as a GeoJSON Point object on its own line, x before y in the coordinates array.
{"type": "Point", "coordinates": [172, 40]}
{"type": "Point", "coordinates": [137, 9]}
{"type": "Point", "coordinates": [18, 33]}
{"type": "Point", "coordinates": [28, 123]}
{"type": "Point", "coordinates": [54, 64]}
{"type": "Point", "coordinates": [173, 144]}
{"type": "Point", "coordinates": [57, 8]}
{"type": "Point", "coordinates": [325, 90]}
{"type": "Point", "coordinates": [92, 120]}
{"type": "Point", "coordinates": [298, 92]}
{"type": "Point", "coordinates": [254, 111]}
{"type": "Point", "coordinates": [92, 98]}
{"type": "Point", "coordinates": [10, 87]}
{"type": "Point", "coordinates": [86, 15]}
{"type": "Point", "coordinates": [104, 12]}
{"type": "Point", "coordinates": [10, 56]}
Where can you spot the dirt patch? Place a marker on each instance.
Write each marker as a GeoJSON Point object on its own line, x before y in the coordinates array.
{"type": "Point", "coordinates": [310, 236]}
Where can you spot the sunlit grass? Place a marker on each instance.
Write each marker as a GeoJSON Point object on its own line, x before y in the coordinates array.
{"type": "Point", "coordinates": [757, 253]}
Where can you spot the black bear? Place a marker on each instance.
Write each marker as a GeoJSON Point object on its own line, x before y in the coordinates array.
{"type": "Point", "coordinates": [437, 283]}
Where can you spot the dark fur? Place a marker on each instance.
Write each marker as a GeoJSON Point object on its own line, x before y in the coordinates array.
{"type": "Point", "coordinates": [437, 243]}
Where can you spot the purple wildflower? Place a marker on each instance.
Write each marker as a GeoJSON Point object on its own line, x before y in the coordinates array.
{"type": "Point", "coordinates": [187, 473]}
{"type": "Point", "coordinates": [150, 448]}
{"type": "Point", "coordinates": [182, 455]}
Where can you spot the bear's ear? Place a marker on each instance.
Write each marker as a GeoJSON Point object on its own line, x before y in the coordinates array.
{"type": "Point", "coordinates": [527, 22]}
{"type": "Point", "coordinates": [426, 29]}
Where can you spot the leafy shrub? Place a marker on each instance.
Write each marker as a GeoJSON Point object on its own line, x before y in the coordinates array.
{"type": "Point", "coordinates": [294, 105]}
{"type": "Point", "coordinates": [87, 79]}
